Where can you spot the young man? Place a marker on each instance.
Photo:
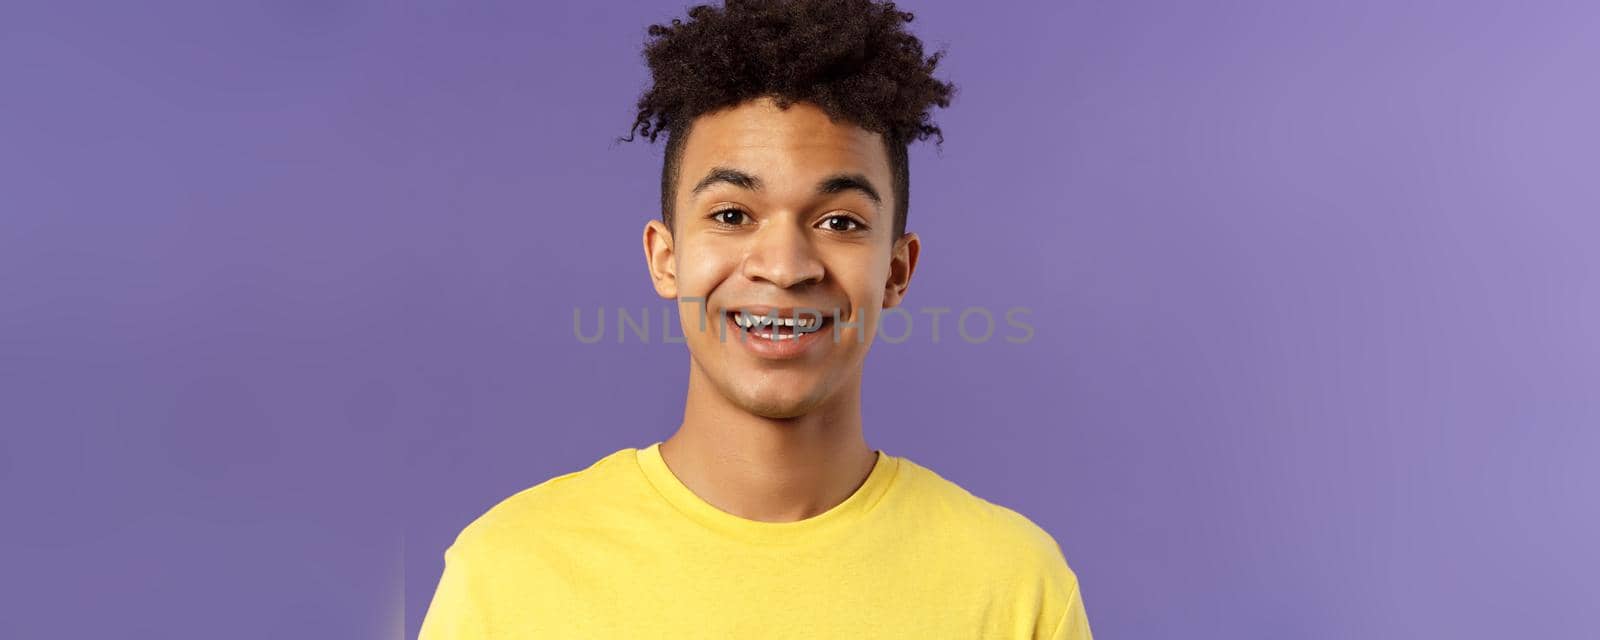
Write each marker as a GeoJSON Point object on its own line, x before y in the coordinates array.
{"type": "Point", "coordinates": [767, 515]}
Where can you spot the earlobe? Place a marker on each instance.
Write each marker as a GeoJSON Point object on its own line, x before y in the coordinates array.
{"type": "Point", "coordinates": [659, 259]}
{"type": "Point", "coordinates": [902, 263]}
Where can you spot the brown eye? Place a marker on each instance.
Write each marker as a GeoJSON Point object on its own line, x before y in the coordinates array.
{"type": "Point", "coordinates": [732, 217]}
{"type": "Point", "coordinates": [841, 223]}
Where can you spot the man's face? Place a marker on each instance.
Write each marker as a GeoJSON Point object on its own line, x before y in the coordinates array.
{"type": "Point", "coordinates": [782, 254]}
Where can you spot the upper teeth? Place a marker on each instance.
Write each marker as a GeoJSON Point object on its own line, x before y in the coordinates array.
{"type": "Point", "coordinates": [750, 321]}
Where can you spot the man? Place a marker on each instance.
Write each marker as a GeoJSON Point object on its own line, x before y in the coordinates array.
{"type": "Point", "coordinates": [767, 515]}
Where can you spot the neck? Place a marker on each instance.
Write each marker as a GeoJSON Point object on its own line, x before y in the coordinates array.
{"type": "Point", "coordinates": [769, 469]}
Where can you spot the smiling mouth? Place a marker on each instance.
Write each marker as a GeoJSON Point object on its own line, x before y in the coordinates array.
{"type": "Point", "coordinates": [774, 326]}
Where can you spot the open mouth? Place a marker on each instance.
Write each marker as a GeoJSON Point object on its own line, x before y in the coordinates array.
{"type": "Point", "coordinates": [777, 326]}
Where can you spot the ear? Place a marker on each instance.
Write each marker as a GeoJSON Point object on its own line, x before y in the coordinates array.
{"type": "Point", "coordinates": [902, 263]}
{"type": "Point", "coordinates": [659, 257]}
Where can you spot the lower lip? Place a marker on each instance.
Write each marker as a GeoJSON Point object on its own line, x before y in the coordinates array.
{"type": "Point", "coordinates": [772, 348]}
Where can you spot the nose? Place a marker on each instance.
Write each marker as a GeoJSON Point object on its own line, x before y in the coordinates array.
{"type": "Point", "coordinates": [782, 254]}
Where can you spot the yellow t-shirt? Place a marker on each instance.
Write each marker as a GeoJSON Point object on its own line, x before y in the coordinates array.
{"type": "Point", "coordinates": [623, 549]}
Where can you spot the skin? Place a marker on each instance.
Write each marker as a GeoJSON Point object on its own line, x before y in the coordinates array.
{"type": "Point", "coordinates": [768, 439]}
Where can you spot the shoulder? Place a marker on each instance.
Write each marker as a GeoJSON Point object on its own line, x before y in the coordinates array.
{"type": "Point", "coordinates": [1001, 547]}
{"type": "Point", "coordinates": [1011, 538]}
{"type": "Point", "coordinates": [558, 504]}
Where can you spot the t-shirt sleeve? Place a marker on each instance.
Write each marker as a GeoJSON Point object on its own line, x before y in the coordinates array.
{"type": "Point", "coordinates": [1074, 623]}
{"type": "Point", "coordinates": [458, 611]}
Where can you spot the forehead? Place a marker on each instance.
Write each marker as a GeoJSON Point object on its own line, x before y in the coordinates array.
{"type": "Point", "coordinates": [786, 148]}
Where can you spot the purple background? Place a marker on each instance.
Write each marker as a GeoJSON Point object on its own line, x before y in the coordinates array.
{"type": "Point", "coordinates": [286, 295]}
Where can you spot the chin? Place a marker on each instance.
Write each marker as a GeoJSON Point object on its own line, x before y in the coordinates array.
{"type": "Point", "coordinates": [778, 404]}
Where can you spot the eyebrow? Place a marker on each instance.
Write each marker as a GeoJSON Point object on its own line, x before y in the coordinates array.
{"type": "Point", "coordinates": [850, 182]}
{"type": "Point", "coordinates": [734, 177]}
{"type": "Point", "coordinates": [837, 183]}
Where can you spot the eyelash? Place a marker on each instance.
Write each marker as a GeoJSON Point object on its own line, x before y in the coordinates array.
{"type": "Point", "coordinates": [716, 216]}
{"type": "Point", "coordinates": [857, 223]}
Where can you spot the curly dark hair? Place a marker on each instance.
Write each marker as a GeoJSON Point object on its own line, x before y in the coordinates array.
{"type": "Point", "coordinates": [851, 58]}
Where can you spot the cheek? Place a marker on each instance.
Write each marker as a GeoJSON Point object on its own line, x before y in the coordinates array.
{"type": "Point", "coordinates": [864, 277]}
{"type": "Point", "coordinates": [701, 269]}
